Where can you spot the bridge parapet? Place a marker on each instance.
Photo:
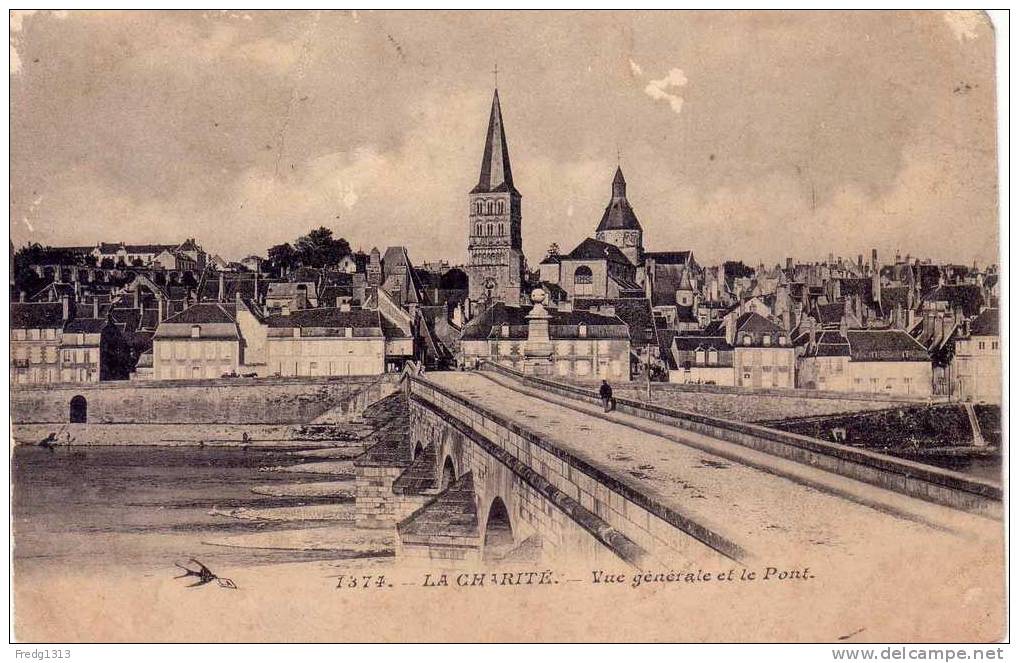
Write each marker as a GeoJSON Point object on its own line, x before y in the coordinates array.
{"type": "Point", "coordinates": [572, 505]}
{"type": "Point", "coordinates": [929, 483]}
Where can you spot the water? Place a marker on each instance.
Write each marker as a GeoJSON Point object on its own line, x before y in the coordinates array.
{"type": "Point", "coordinates": [146, 507]}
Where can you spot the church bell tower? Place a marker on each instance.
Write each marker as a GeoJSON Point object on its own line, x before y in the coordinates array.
{"type": "Point", "coordinates": [496, 264]}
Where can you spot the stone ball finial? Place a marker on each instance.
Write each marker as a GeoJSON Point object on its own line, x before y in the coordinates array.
{"type": "Point", "coordinates": [538, 296]}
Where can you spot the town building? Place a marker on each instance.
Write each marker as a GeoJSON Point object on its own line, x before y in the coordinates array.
{"type": "Point", "coordinates": [875, 361]}
{"type": "Point", "coordinates": [763, 355]}
{"type": "Point", "coordinates": [567, 344]}
{"type": "Point", "coordinates": [36, 332]}
{"type": "Point", "coordinates": [976, 364]}
{"type": "Point", "coordinates": [703, 359]}
{"type": "Point", "coordinates": [325, 341]}
{"type": "Point", "coordinates": [200, 342]}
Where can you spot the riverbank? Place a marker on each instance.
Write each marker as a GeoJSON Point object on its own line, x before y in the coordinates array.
{"type": "Point", "coordinates": [198, 434]}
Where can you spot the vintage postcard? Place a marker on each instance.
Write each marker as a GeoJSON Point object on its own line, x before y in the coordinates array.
{"type": "Point", "coordinates": [509, 326]}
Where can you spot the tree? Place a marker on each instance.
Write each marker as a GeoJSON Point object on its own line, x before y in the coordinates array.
{"type": "Point", "coordinates": [320, 249]}
{"type": "Point", "coordinates": [282, 259]}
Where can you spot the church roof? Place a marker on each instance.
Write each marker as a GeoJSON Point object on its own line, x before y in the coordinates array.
{"type": "Point", "coordinates": [593, 249]}
{"type": "Point", "coordinates": [496, 174]}
{"type": "Point", "coordinates": [618, 214]}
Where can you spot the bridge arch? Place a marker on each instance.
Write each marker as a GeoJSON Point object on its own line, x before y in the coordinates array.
{"type": "Point", "coordinates": [498, 535]}
{"type": "Point", "coordinates": [448, 475]}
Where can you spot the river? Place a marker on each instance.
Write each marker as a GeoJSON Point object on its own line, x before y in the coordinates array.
{"type": "Point", "coordinates": [147, 507]}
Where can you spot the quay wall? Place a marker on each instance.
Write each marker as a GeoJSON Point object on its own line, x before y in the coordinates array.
{"type": "Point", "coordinates": [220, 401]}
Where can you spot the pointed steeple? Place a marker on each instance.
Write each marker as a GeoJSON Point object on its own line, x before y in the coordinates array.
{"type": "Point", "coordinates": [619, 215]}
{"type": "Point", "coordinates": [619, 184]}
{"type": "Point", "coordinates": [496, 174]}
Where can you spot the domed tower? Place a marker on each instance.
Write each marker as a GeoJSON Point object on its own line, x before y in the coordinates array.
{"type": "Point", "coordinates": [619, 224]}
{"type": "Point", "coordinates": [494, 240]}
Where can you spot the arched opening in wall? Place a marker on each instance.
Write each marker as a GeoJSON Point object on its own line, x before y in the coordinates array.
{"type": "Point", "coordinates": [583, 279]}
{"type": "Point", "coordinates": [498, 531]}
{"type": "Point", "coordinates": [448, 474]}
{"type": "Point", "coordinates": [78, 410]}
{"type": "Point", "coordinates": [418, 449]}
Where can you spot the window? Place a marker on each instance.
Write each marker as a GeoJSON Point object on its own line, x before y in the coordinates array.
{"type": "Point", "coordinates": [766, 339]}
{"type": "Point", "coordinates": [196, 331]}
{"type": "Point", "coordinates": [712, 356]}
{"type": "Point", "coordinates": [499, 208]}
{"type": "Point", "coordinates": [980, 345]}
{"type": "Point", "coordinates": [491, 209]}
{"type": "Point", "coordinates": [582, 330]}
{"type": "Point", "coordinates": [478, 230]}
{"type": "Point", "coordinates": [489, 233]}
{"type": "Point", "coordinates": [500, 230]}
{"type": "Point", "coordinates": [699, 356]}
{"type": "Point", "coordinates": [51, 334]}
{"type": "Point", "coordinates": [994, 345]}
{"type": "Point", "coordinates": [583, 278]}
{"type": "Point", "coordinates": [782, 340]}
{"type": "Point", "coordinates": [747, 339]}
{"type": "Point", "coordinates": [33, 334]}
{"type": "Point", "coordinates": [505, 331]}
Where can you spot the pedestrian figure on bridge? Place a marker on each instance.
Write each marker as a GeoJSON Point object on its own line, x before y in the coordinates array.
{"type": "Point", "coordinates": [605, 391]}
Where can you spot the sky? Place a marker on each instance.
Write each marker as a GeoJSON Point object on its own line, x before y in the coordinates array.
{"type": "Point", "coordinates": [742, 135]}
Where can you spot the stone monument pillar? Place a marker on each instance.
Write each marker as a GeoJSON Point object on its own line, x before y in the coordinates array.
{"type": "Point", "coordinates": [538, 348]}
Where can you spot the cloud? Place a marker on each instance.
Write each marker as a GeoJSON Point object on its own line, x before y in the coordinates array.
{"type": "Point", "coordinates": [657, 89]}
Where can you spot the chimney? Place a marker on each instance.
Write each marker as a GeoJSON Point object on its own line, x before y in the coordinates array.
{"type": "Point", "coordinates": [813, 334]}
{"type": "Point", "coordinates": [222, 287]}
{"type": "Point", "coordinates": [21, 296]}
{"type": "Point", "coordinates": [873, 260]}
{"type": "Point", "coordinates": [65, 306]}
{"type": "Point", "coordinates": [162, 309]}
{"type": "Point", "coordinates": [95, 307]}
{"type": "Point", "coordinates": [789, 263]}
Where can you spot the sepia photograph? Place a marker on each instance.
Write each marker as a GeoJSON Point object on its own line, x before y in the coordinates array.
{"type": "Point", "coordinates": [515, 326]}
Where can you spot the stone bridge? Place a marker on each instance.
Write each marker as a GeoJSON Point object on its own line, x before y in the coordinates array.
{"type": "Point", "coordinates": [500, 467]}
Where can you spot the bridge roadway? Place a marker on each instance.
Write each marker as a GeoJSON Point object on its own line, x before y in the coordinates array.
{"type": "Point", "coordinates": [773, 508]}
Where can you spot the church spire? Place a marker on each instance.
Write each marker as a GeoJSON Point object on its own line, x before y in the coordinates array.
{"type": "Point", "coordinates": [496, 174]}
{"type": "Point", "coordinates": [619, 184]}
